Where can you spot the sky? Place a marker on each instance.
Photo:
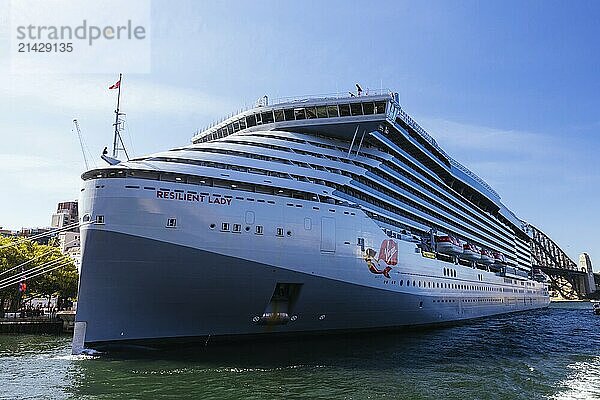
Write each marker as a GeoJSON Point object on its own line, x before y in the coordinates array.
{"type": "Point", "coordinates": [511, 89]}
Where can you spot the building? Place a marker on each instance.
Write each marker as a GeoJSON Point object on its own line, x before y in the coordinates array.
{"type": "Point", "coordinates": [66, 215]}
{"type": "Point", "coordinates": [6, 232]}
{"type": "Point", "coordinates": [38, 235]}
{"type": "Point", "coordinates": [69, 244]}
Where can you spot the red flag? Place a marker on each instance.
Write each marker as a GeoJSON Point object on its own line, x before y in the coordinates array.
{"type": "Point", "coordinates": [116, 85]}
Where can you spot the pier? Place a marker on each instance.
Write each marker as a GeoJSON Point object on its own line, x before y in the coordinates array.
{"type": "Point", "coordinates": [61, 322]}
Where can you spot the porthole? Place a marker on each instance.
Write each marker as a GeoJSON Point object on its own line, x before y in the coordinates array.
{"type": "Point", "coordinates": [212, 226]}
{"type": "Point", "coordinates": [86, 218]}
{"type": "Point", "coordinates": [247, 229]}
{"type": "Point", "coordinates": [289, 233]}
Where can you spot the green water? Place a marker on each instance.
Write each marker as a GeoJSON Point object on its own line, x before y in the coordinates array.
{"type": "Point", "coordinates": [546, 354]}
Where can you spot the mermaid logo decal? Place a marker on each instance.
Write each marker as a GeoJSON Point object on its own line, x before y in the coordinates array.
{"type": "Point", "coordinates": [388, 256]}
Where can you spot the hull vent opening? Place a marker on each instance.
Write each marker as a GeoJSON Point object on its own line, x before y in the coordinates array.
{"type": "Point", "coordinates": [281, 305]}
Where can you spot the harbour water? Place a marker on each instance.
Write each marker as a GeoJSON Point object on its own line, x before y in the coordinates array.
{"type": "Point", "coordinates": [544, 354]}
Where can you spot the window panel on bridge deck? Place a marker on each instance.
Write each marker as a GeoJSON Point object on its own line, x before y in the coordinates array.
{"type": "Point", "coordinates": [344, 110]}
{"type": "Point", "coordinates": [332, 111]}
{"type": "Point", "coordinates": [300, 113]}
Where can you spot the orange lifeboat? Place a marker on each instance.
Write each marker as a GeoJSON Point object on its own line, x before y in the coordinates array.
{"type": "Point", "coordinates": [471, 252]}
{"type": "Point", "coordinates": [499, 258]}
{"type": "Point", "coordinates": [487, 257]}
{"type": "Point", "coordinates": [448, 245]}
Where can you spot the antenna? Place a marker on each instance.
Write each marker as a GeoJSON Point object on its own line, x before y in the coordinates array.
{"type": "Point", "coordinates": [87, 166]}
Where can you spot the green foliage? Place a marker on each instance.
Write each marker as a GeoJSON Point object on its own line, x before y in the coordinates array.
{"type": "Point", "coordinates": [61, 281]}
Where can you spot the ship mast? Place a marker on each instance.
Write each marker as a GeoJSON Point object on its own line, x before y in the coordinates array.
{"type": "Point", "coordinates": [118, 125]}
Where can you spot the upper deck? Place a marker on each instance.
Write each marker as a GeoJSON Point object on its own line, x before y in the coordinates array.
{"type": "Point", "coordinates": [346, 115]}
{"type": "Point", "coordinates": [338, 115]}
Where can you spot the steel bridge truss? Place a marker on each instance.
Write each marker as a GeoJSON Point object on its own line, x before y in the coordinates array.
{"type": "Point", "coordinates": [563, 272]}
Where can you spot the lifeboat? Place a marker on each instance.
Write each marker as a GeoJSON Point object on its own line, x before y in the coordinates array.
{"type": "Point", "coordinates": [487, 257]}
{"type": "Point", "coordinates": [499, 258]}
{"type": "Point", "coordinates": [471, 252]}
{"type": "Point", "coordinates": [448, 245]}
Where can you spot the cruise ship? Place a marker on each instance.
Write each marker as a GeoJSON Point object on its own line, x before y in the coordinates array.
{"type": "Point", "coordinates": [300, 216]}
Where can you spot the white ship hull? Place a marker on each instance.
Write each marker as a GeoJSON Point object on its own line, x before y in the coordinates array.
{"type": "Point", "coordinates": [142, 281]}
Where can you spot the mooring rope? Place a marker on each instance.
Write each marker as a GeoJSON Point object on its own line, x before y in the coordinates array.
{"type": "Point", "coordinates": [17, 277]}
{"type": "Point", "coordinates": [34, 258]}
{"type": "Point", "coordinates": [49, 233]}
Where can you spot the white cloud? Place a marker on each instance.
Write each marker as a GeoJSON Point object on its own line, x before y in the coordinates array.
{"type": "Point", "coordinates": [484, 140]}
{"type": "Point", "coordinates": [91, 93]}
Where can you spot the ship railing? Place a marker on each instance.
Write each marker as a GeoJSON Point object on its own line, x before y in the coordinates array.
{"type": "Point", "coordinates": [329, 96]}
{"type": "Point", "coordinates": [475, 177]}
{"type": "Point", "coordinates": [265, 101]}
{"type": "Point", "coordinates": [426, 136]}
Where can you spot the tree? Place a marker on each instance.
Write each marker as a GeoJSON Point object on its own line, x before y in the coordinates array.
{"type": "Point", "coordinates": [61, 281]}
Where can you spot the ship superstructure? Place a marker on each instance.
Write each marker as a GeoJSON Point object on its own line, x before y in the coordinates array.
{"type": "Point", "coordinates": [305, 215]}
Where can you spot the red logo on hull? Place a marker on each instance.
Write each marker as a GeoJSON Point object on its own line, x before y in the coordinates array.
{"type": "Point", "coordinates": [388, 253]}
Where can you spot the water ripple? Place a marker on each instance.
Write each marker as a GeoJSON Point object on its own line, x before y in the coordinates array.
{"type": "Point", "coordinates": [549, 354]}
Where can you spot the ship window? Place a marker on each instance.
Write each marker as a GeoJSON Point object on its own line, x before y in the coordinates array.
{"type": "Point", "coordinates": [259, 229]}
{"type": "Point", "coordinates": [321, 112]}
{"type": "Point", "coordinates": [225, 227]}
{"type": "Point", "coordinates": [380, 107]}
{"type": "Point", "coordinates": [279, 116]}
{"type": "Point", "coordinates": [250, 121]}
{"type": "Point", "coordinates": [356, 109]}
{"type": "Point", "coordinates": [401, 282]}
{"type": "Point", "coordinates": [99, 219]}
{"type": "Point", "coordinates": [414, 282]}
{"type": "Point", "coordinates": [267, 117]}
{"type": "Point", "coordinates": [236, 126]}
{"type": "Point", "coordinates": [332, 111]}
{"type": "Point", "coordinates": [237, 228]}
{"type": "Point", "coordinates": [299, 113]}
{"type": "Point", "coordinates": [311, 112]}
{"type": "Point", "coordinates": [172, 223]}
{"type": "Point", "coordinates": [288, 114]}
{"type": "Point", "coordinates": [86, 218]}
{"type": "Point", "coordinates": [242, 123]}
{"type": "Point", "coordinates": [279, 231]}
{"type": "Point", "coordinates": [344, 110]}
{"type": "Point", "coordinates": [368, 108]}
